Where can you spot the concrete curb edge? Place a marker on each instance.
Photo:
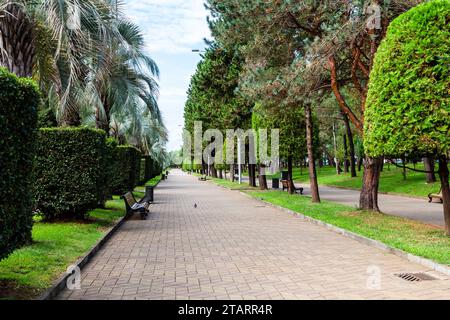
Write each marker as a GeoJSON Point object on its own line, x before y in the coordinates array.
{"type": "Point", "coordinates": [370, 242]}
{"type": "Point", "coordinates": [60, 284]}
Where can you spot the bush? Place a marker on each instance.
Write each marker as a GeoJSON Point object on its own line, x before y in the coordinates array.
{"type": "Point", "coordinates": [19, 101]}
{"type": "Point", "coordinates": [109, 165]}
{"type": "Point", "coordinates": [142, 179]}
{"type": "Point", "coordinates": [69, 171]}
{"type": "Point", "coordinates": [126, 172]}
{"type": "Point", "coordinates": [408, 102]}
{"type": "Point", "coordinates": [149, 168]}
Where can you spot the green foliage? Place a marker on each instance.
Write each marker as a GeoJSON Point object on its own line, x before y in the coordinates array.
{"type": "Point", "coordinates": [69, 173]}
{"type": "Point", "coordinates": [148, 168]}
{"type": "Point", "coordinates": [109, 163]}
{"type": "Point", "coordinates": [142, 171]}
{"type": "Point", "coordinates": [408, 103]}
{"type": "Point", "coordinates": [212, 95]}
{"type": "Point", "coordinates": [127, 169]}
{"type": "Point", "coordinates": [19, 101]}
{"type": "Point", "coordinates": [291, 123]}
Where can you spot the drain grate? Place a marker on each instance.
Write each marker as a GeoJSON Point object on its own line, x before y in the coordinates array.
{"type": "Point", "coordinates": [415, 277]}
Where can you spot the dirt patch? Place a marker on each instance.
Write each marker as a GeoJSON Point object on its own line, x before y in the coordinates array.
{"type": "Point", "coordinates": [10, 290]}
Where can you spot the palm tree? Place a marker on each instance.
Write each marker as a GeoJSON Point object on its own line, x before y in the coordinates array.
{"type": "Point", "coordinates": [126, 79]}
{"type": "Point", "coordinates": [50, 40]}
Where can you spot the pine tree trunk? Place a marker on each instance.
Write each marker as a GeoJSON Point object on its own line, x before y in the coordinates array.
{"type": "Point", "coordinates": [345, 155]}
{"type": "Point", "coordinates": [351, 146]}
{"type": "Point", "coordinates": [252, 174]}
{"type": "Point", "coordinates": [429, 167]}
{"type": "Point", "coordinates": [369, 192]}
{"type": "Point", "coordinates": [311, 161]}
{"type": "Point", "coordinates": [262, 178]}
{"type": "Point", "coordinates": [290, 175]}
{"type": "Point", "coordinates": [360, 163]}
{"type": "Point", "coordinates": [444, 175]}
{"type": "Point", "coordinates": [17, 44]}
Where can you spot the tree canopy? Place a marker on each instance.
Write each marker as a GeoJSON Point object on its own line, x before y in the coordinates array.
{"type": "Point", "coordinates": [408, 104]}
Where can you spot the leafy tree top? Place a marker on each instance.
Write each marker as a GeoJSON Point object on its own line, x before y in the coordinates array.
{"type": "Point", "coordinates": [408, 103]}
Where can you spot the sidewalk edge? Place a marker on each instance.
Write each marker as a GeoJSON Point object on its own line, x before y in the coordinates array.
{"type": "Point", "coordinates": [362, 239]}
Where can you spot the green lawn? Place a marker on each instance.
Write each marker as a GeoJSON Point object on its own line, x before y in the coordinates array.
{"type": "Point", "coordinates": [228, 183]}
{"type": "Point", "coordinates": [391, 180]}
{"type": "Point", "coordinates": [29, 271]}
{"type": "Point", "coordinates": [154, 181]}
{"type": "Point", "coordinates": [408, 235]}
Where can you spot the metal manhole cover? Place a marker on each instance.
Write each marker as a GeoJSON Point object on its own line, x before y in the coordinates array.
{"type": "Point", "coordinates": [415, 277]}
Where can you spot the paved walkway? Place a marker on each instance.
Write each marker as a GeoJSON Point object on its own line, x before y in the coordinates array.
{"type": "Point", "coordinates": [407, 207]}
{"type": "Point", "coordinates": [232, 247]}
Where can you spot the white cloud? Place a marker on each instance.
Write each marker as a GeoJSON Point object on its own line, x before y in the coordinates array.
{"type": "Point", "coordinates": [172, 29]}
{"type": "Point", "coordinates": [170, 26]}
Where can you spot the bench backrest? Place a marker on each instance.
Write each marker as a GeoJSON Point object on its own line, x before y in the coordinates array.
{"type": "Point", "coordinates": [129, 198]}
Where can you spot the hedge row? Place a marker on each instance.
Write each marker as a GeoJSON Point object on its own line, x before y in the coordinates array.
{"type": "Point", "coordinates": [69, 172]}
{"type": "Point", "coordinates": [60, 172]}
{"type": "Point", "coordinates": [19, 101]}
{"type": "Point", "coordinates": [126, 172]}
{"type": "Point", "coordinates": [78, 169]}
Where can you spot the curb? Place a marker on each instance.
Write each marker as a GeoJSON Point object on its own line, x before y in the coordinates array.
{"type": "Point", "coordinates": [61, 283]}
{"type": "Point", "coordinates": [367, 241]}
{"type": "Point", "coordinates": [379, 192]}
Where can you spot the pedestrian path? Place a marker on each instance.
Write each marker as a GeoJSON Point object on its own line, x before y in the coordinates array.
{"type": "Point", "coordinates": [232, 247]}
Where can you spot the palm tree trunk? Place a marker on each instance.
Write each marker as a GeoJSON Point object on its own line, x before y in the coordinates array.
{"type": "Point", "coordinates": [17, 47]}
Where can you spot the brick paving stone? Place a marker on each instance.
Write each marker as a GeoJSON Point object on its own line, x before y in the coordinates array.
{"type": "Point", "coordinates": [231, 247]}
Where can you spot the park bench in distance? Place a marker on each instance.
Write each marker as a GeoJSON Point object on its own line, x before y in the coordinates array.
{"type": "Point", "coordinates": [133, 206]}
{"type": "Point", "coordinates": [438, 196]}
{"type": "Point", "coordinates": [202, 178]}
{"type": "Point", "coordinates": [286, 183]}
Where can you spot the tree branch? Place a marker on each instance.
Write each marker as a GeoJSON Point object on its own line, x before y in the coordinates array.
{"type": "Point", "coordinates": [340, 99]}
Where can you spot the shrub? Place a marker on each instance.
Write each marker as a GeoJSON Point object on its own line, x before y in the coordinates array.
{"type": "Point", "coordinates": [109, 165]}
{"type": "Point", "coordinates": [408, 102]}
{"type": "Point", "coordinates": [148, 168]}
{"type": "Point", "coordinates": [19, 101]}
{"type": "Point", "coordinates": [142, 179]}
{"type": "Point", "coordinates": [126, 170]}
{"type": "Point", "coordinates": [69, 171]}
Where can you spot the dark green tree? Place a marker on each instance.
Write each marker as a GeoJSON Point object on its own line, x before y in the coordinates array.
{"type": "Point", "coordinates": [408, 103]}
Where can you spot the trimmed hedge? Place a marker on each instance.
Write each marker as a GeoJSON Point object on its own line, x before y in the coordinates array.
{"type": "Point", "coordinates": [148, 168]}
{"type": "Point", "coordinates": [142, 179]}
{"type": "Point", "coordinates": [19, 101]}
{"type": "Point", "coordinates": [69, 171]}
{"type": "Point", "coordinates": [126, 173]}
{"type": "Point", "coordinates": [110, 163]}
{"type": "Point", "coordinates": [408, 102]}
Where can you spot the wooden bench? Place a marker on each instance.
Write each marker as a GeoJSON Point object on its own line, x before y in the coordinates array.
{"type": "Point", "coordinates": [438, 196]}
{"type": "Point", "coordinates": [133, 206]}
{"type": "Point", "coordinates": [286, 184]}
{"type": "Point", "coordinates": [202, 178]}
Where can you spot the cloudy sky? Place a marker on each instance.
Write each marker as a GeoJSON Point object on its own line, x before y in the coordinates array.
{"type": "Point", "coordinates": [172, 29]}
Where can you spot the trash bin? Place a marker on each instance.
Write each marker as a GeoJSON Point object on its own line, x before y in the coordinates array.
{"type": "Point", "coordinates": [275, 183]}
{"type": "Point", "coordinates": [149, 193]}
{"type": "Point", "coordinates": [284, 175]}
